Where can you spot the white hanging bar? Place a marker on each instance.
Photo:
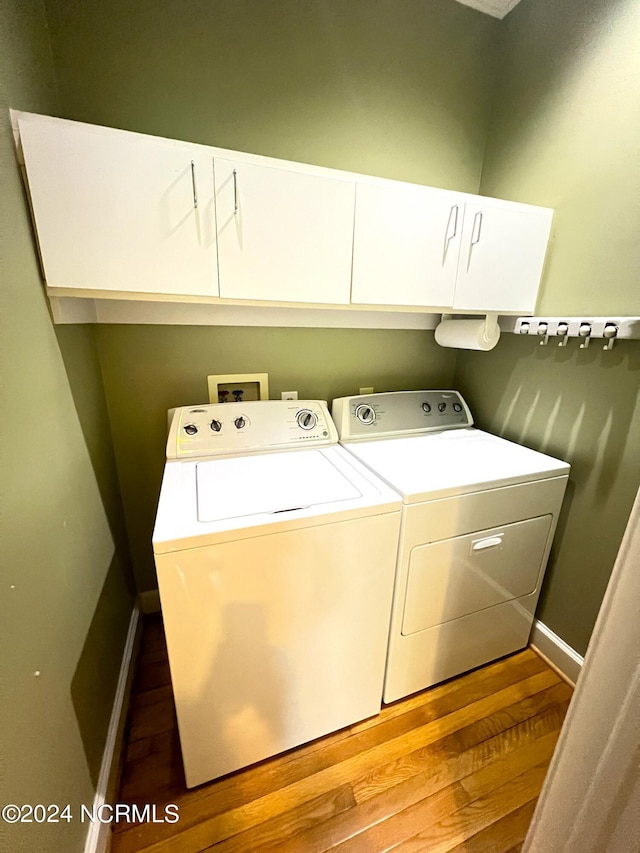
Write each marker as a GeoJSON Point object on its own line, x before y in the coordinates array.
{"type": "Point", "coordinates": [560, 329]}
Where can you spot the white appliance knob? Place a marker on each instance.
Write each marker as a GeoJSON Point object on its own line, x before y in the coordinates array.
{"type": "Point", "coordinates": [190, 429]}
{"type": "Point", "coordinates": [215, 425]}
{"type": "Point", "coordinates": [426, 408]}
{"type": "Point", "coordinates": [306, 419]}
{"type": "Point", "coordinates": [240, 422]}
{"type": "Point", "coordinates": [365, 414]}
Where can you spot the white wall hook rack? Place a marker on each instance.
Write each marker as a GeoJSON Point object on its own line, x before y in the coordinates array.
{"type": "Point", "coordinates": [560, 329]}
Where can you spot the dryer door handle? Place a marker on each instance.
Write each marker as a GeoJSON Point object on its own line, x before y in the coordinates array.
{"type": "Point", "coordinates": [489, 542]}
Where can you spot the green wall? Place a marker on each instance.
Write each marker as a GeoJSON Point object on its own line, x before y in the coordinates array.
{"type": "Point", "coordinates": [66, 594]}
{"type": "Point", "coordinates": [398, 88]}
{"type": "Point", "coordinates": [565, 134]}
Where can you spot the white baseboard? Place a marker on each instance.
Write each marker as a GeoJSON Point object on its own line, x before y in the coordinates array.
{"type": "Point", "coordinates": [556, 652]}
{"type": "Point", "coordinates": [99, 834]}
{"type": "Point", "coordinates": [149, 601]}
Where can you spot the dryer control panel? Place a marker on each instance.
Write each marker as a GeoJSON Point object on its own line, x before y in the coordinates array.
{"type": "Point", "coordinates": [222, 429]}
{"type": "Point", "coordinates": [399, 413]}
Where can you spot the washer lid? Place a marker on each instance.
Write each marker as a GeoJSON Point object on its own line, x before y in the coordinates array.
{"type": "Point", "coordinates": [268, 483]}
{"type": "Point", "coordinates": [453, 463]}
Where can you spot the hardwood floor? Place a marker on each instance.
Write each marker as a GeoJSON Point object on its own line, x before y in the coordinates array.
{"type": "Point", "coordinates": [455, 768]}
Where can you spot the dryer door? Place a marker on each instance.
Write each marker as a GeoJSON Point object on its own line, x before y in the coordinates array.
{"type": "Point", "coordinates": [466, 574]}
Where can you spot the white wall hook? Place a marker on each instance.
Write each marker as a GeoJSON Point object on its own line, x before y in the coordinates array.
{"type": "Point", "coordinates": [610, 333]}
{"type": "Point", "coordinates": [610, 329]}
{"type": "Point", "coordinates": [543, 329]}
{"type": "Point", "coordinates": [585, 332]}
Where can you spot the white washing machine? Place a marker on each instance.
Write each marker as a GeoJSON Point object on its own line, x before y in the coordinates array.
{"type": "Point", "coordinates": [479, 514]}
{"type": "Point", "coordinates": [275, 553]}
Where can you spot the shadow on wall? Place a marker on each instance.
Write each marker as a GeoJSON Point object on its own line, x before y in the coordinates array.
{"type": "Point", "coordinates": [94, 681]}
{"type": "Point", "coordinates": [79, 354]}
{"type": "Point", "coordinates": [586, 419]}
{"type": "Point", "coordinates": [580, 406]}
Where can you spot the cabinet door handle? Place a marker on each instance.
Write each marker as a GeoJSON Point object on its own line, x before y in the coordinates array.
{"type": "Point", "coordinates": [235, 192]}
{"type": "Point", "coordinates": [193, 185]}
{"type": "Point", "coordinates": [453, 213]}
{"type": "Point", "coordinates": [477, 221]}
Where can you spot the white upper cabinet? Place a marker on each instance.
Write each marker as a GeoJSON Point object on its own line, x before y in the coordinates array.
{"type": "Point", "coordinates": [283, 235]}
{"type": "Point", "coordinates": [125, 213]}
{"type": "Point", "coordinates": [406, 245]}
{"type": "Point", "coordinates": [501, 256]}
{"type": "Point", "coordinates": [119, 211]}
{"type": "Point", "coordinates": [419, 246]}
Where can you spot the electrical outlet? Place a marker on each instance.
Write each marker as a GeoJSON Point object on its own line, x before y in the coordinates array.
{"type": "Point", "coordinates": [289, 395]}
{"type": "Point", "coordinates": [366, 390]}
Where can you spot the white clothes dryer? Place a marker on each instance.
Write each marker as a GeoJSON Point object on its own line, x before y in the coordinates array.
{"type": "Point", "coordinates": [479, 514]}
{"type": "Point", "coordinates": [275, 554]}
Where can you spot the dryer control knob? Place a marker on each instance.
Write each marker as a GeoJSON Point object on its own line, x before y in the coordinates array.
{"type": "Point", "coordinates": [426, 407]}
{"type": "Point", "coordinates": [306, 419]}
{"type": "Point", "coordinates": [457, 407]}
{"type": "Point", "coordinates": [365, 414]}
{"type": "Point", "coordinates": [190, 429]}
{"type": "Point", "coordinates": [215, 425]}
{"type": "Point", "coordinates": [442, 407]}
{"type": "Point", "coordinates": [240, 422]}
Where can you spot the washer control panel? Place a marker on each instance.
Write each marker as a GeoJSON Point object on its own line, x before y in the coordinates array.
{"type": "Point", "coordinates": [398, 413]}
{"type": "Point", "coordinates": [218, 429]}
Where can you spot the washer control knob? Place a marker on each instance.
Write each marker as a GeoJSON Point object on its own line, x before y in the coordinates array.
{"type": "Point", "coordinates": [306, 419]}
{"type": "Point", "coordinates": [190, 429]}
{"type": "Point", "coordinates": [365, 414]}
{"type": "Point", "coordinates": [215, 425]}
{"type": "Point", "coordinates": [240, 422]}
{"type": "Point", "coordinates": [442, 407]}
{"type": "Point", "coordinates": [426, 407]}
{"type": "Point", "coordinates": [457, 408]}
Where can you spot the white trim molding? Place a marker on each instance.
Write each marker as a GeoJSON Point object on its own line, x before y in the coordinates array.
{"type": "Point", "coordinates": [98, 836]}
{"type": "Point", "coordinates": [565, 660]}
{"type": "Point", "coordinates": [182, 311]}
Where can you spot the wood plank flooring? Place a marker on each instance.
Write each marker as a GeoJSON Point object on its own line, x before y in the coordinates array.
{"type": "Point", "coordinates": [455, 768]}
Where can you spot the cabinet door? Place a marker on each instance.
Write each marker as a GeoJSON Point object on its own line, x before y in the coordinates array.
{"type": "Point", "coordinates": [406, 245]}
{"type": "Point", "coordinates": [120, 211]}
{"type": "Point", "coordinates": [283, 235]}
{"type": "Point", "coordinates": [501, 257]}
